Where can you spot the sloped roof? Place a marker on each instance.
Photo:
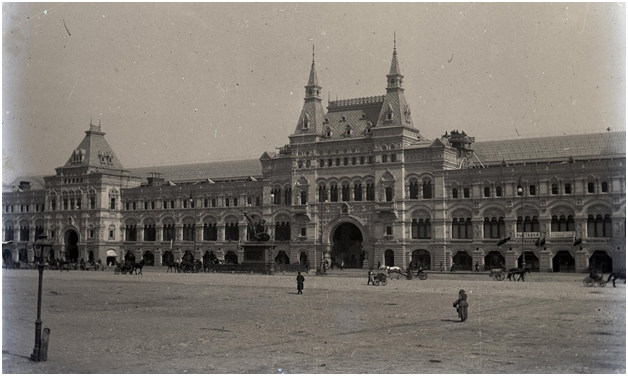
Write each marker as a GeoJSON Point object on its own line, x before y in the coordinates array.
{"type": "Point", "coordinates": [552, 148]}
{"type": "Point", "coordinates": [356, 113]}
{"type": "Point", "coordinates": [198, 171]}
{"type": "Point", "coordinates": [94, 151]}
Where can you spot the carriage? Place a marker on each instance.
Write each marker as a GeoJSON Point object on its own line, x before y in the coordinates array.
{"type": "Point", "coordinates": [123, 268]}
{"type": "Point", "coordinates": [191, 266]}
{"type": "Point", "coordinates": [497, 274]}
{"type": "Point", "coordinates": [590, 282]}
{"type": "Point", "coordinates": [380, 278]}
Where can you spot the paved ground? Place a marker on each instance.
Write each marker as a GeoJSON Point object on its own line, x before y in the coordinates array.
{"type": "Point", "coordinates": [230, 323]}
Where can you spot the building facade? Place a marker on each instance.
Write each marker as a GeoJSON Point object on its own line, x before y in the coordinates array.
{"type": "Point", "coordinates": [357, 184]}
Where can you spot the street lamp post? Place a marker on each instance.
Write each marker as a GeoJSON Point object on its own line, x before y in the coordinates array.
{"type": "Point", "coordinates": [39, 250]}
{"type": "Point", "coordinates": [523, 252]}
{"type": "Point", "coordinates": [193, 205]}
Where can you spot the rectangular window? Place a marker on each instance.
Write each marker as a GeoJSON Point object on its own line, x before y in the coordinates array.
{"type": "Point", "coordinates": [498, 191]}
{"type": "Point", "coordinates": [532, 190]}
{"type": "Point", "coordinates": [354, 160]}
{"type": "Point", "coordinates": [604, 187]}
{"type": "Point", "coordinates": [321, 163]}
{"type": "Point", "coordinates": [65, 204]}
{"type": "Point", "coordinates": [389, 194]}
{"type": "Point", "coordinates": [72, 207]}
{"type": "Point", "coordinates": [384, 158]}
{"type": "Point", "coordinates": [134, 205]}
{"type": "Point", "coordinates": [346, 161]}
{"type": "Point", "coordinates": [111, 234]}
{"type": "Point", "coordinates": [152, 205]}
{"type": "Point", "coordinates": [389, 230]}
{"type": "Point", "coordinates": [330, 162]}
{"type": "Point", "coordinates": [227, 202]}
{"type": "Point", "coordinates": [165, 205]}
{"type": "Point", "coordinates": [487, 192]}
{"type": "Point", "coordinates": [590, 187]}
{"type": "Point", "coordinates": [112, 204]}
{"type": "Point", "coordinates": [454, 193]}
{"type": "Point", "coordinates": [466, 192]}
{"type": "Point", "coordinates": [53, 205]}
{"type": "Point", "coordinates": [554, 189]}
{"type": "Point", "coordinates": [127, 205]}
{"type": "Point", "coordinates": [145, 205]}
{"type": "Point", "coordinates": [361, 160]}
{"type": "Point", "coordinates": [567, 188]}
{"type": "Point", "coordinates": [371, 159]}
{"type": "Point", "coordinates": [303, 231]}
{"type": "Point", "coordinates": [235, 202]}
{"type": "Point", "coordinates": [171, 204]}
{"type": "Point", "coordinates": [393, 157]}
{"type": "Point", "coordinates": [214, 203]}
{"type": "Point", "coordinates": [337, 161]}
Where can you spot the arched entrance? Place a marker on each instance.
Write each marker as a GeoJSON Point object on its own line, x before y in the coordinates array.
{"type": "Point", "coordinates": [167, 258]}
{"type": "Point", "coordinates": [347, 246]}
{"type": "Point", "coordinates": [462, 261]}
{"type": "Point", "coordinates": [282, 258]}
{"type": "Point", "coordinates": [423, 258]}
{"type": "Point", "coordinates": [71, 246]}
{"type": "Point", "coordinates": [129, 257]}
{"type": "Point", "coordinates": [188, 256]}
{"type": "Point", "coordinates": [149, 258]}
{"type": "Point", "coordinates": [112, 257]}
{"type": "Point", "coordinates": [23, 255]}
{"type": "Point", "coordinates": [389, 257]}
{"type": "Point", "coordinates": [303, 258]}
{"type": "Point", "coordinates": [564, 262]}
{"type": "Point", "coordinates": [7, 257]}
{"type": "Point", "coordinates": [494, 260]}
{"type": "Point", "coordinates": [532, 262]}
{"type": "Point", "coordinates": [601, 261]}
{"type": "Point", "coordinates": [231, 258]}
{"type": "Point", "coordinates": [209, 258]}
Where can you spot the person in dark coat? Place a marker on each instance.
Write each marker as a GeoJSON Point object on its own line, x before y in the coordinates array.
{"type": "Point", "coordinates": [300, 280]}
{"type": "Point", "coordinates": [461, 305]}
{"type": "Point", "coordinates": [371, 280]}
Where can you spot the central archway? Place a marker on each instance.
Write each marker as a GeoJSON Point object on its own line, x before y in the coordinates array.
{"type": "Point", "coordinates": [71, 247]}
{"type": "Point", "coordinates": [347, 246]}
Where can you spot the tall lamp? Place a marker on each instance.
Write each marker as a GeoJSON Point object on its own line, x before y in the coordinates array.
{"type": "Point", "coordinates": [523, 252]}
{"type": "Point", "coordinates": [39, 248]}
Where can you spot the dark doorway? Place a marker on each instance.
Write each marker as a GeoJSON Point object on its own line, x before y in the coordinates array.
{"type": "Point", "coordinates": [494, 260]}
{"type": "Point", "coordinates": [303, 258]}
{"type": "Point", "coordinates": [149, 258]}
{"type": "Point", "coordinates": [23, 255]}
{"type": "Point", "coordinates": [347, 246]}
{"type": "Point", "coordinates": [188, 256]}
{"type": "Point", "coordinates": [564, 262]}
{"type": "Point", "coordinates": [167, 258]}
{"type": "Point", "coordinates": [282, 258]}
{"type": "Point", "coordinates": [71, 247]}
{"type": "Point", "coordinates": [389, 257]}
{"type": "Point", "coordinates": [532, 262]}
{"type": "Point", "coordinates": [90, 256]}
{"type": "Point", "coordinates": [462, 261]}
{"type": "Point", "coordinates": [421, 257]}
{"type": "Point", "coordinates": [601, 261]}
{"type": "Point", "coordinates": [7, 257]}
{"type": "Point", "coordinates": [129, 257]}
{"type": "Point", "coordinates": [231, 258]}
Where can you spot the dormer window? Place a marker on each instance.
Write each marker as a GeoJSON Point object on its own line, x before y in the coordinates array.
{"type": "Point", "coordinates": [306, 121]}
{"type": "Point", "coordinates": [363, 116]}
{"type": "Point", "coordinates": [348, 131]}
{"type": "Point", "coordinates": [343, 118]}
{"type": "Point", "coordinates": [328, 132]}
{"type": "Point", "coordinates": [389, 116]}
{"type": "Point", "coordinates": [326, 120]}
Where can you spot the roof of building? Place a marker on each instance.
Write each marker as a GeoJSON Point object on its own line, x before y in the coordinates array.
{"type": "Point", "coordinates": [225, 170]}
{"type": "Point", "coordinates": [552, 148]}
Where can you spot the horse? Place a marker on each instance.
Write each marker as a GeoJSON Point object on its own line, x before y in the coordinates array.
{"type": "Point", "coordinates": [138, 266]}
{"type": "Point", "coordinates": [619, 274]}
{"type": "Point", "coordinates": [512, 273]}
{"type": "Point", "coordinates": [174, 267]}
{"type": "Point", "coordinates": [394, 269]}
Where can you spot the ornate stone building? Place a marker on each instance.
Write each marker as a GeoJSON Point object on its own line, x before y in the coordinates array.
{"type": "Point", "coordinates": [357, 183]}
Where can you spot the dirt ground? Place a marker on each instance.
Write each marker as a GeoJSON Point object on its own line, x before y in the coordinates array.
{"type": "Point", "coordinates": [233, 323]}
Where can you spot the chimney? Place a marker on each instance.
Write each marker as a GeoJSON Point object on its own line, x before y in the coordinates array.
{"type": "Point", "coordinates": [155, 179]}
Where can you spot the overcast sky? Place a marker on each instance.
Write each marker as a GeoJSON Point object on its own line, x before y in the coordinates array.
{"type": "Point", "coordinates": [174, 83]}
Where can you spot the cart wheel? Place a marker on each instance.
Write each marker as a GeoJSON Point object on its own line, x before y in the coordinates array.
{"type": "Point", "coordinates": [422, 276]}
{"type": "Point", "coordinates": [588, 281]}
{"type": "Point", "coordinates": [500, 276]}
{"type": "Point", "coordinates": [384, 283]}
{"type": "Point", "coordinates": [123, 271]}
{"type": "Point", "coordinates": [409, 276]}
{"type": "Point", "coordinates": [602, 283]}
{"type": "Point", "coordinates": [116, 270]}
{"type": "Point", "coordinates": [187, 269]}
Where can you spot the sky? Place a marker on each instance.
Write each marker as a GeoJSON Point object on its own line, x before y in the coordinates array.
{"type": "Point", "coordinates": [175, 83]}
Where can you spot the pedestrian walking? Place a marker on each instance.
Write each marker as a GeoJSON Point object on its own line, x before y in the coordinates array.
{"type": "Point", "coordinates": [300, 280]}
{"type": "Point", "coordinates": [462, 305]}
{"type": "Point", "coordinates": [371, 277]}
{"type": "Point", "coordinates": [379, 265]}
{"type": "Point", "coordinates": [307, 266]}
{"type": "Point", "coordinates": [477, 267]}
{"type": "Point", "coordinates": [442, 268]}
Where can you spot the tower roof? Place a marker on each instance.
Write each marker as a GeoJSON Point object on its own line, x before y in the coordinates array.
{"type": "Point", "coordinates": [94, 151]}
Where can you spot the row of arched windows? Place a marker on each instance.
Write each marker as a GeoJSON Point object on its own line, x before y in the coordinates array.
{"type": "Point", "coordinates": [413, 189]}
{"type": "Point", "coordinates": [333, 194]}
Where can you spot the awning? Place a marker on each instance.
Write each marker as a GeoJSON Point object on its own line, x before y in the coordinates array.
{"type": "Point", "coordinates": [111, 253]}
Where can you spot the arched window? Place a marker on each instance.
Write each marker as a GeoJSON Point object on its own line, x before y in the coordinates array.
{"type": "Point", "coordinates": [494, 228]}
{"type": "Point", "coordinates": [346, 192]}
{"type": "Point", "coordinates": [454, 193]}
{"type": "Point", "coordinates": [427, 189]}
{"type": "Point", "coordinates": [462, 228]}
{"type": "Point", "coordinates": [357, 192]}
{"type": "Point", "coordinates": [210, 231]}
{"type": "Point", "coordinates": [370, 192]}
{"type": "Point", "coordinates": [333, 193]}
{"type": "Point", "coordinates": [414, 189]}
{"type": "Point", "coordinates": [421, 228]}
{"type": "Point", "coordinates": [322, 193]}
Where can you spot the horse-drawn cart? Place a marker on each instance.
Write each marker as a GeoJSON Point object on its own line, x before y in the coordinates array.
{"type": "Point", "coordinates": [497, 274]}
{"type": "Point", "coordinates": [380, 278]}
{"type": "Point", "coordinates": [590, 282]}
{"type": "Point", "coordinates": [123, 268]}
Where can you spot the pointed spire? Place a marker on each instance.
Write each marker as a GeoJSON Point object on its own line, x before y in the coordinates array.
{"type": "Point", "coordinates": [394, 65]}
{"type": "Point", "coordinates": [313, 81]}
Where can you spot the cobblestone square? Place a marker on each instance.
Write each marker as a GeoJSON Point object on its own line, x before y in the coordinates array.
{"type": "Point", "coordinates": [234, 323]}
